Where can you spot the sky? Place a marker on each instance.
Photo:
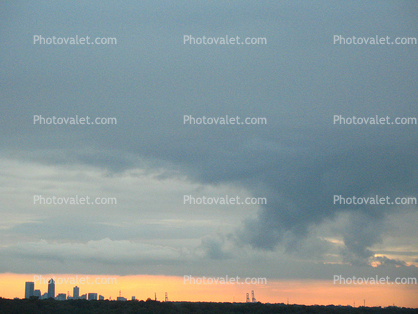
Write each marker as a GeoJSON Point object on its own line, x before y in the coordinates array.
{"type": "Point", "coordinates": [295, 162]}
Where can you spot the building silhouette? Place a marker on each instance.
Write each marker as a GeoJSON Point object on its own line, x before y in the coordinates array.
{"type": "Point", "coordinates": [92, 296]}
{"type": "Point", "coordinates": [29, 289]}
{"type": "Point", "coordinates": [76, 293]}
{"type": "Point", "coordinates": [37, 293]}
{"type": "Point", "coordinates": [51, 288]}
{"type": "Point", "coordinates": [61, 297]}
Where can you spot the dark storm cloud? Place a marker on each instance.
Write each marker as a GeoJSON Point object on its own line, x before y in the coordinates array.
{"type": "Point", "coordinates": [305, 194]}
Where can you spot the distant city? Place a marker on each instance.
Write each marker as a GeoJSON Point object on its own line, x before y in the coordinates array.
{"type": "Point", "coordinates": [30, 291]}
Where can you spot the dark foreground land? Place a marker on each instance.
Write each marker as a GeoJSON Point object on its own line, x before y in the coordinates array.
{"type": "Point", "coordinates": [83, 306]}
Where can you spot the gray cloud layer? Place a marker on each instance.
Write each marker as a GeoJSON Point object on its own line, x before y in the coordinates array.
{"type": "Point", "coordinates": [150, 79]}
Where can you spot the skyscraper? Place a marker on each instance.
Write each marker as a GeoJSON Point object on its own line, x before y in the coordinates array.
{"type": "Point", "coordinates": [37, 293]}
{"type": "Point", "coordinates": [29, 289]}
{"type": "Point", "coordinates": [51, 288]}
{"type": "Point", "coordinates": [76, 292]}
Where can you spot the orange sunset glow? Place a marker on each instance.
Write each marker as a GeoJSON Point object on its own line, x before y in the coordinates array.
{"type": "Point", "coordinates": [294, 292]}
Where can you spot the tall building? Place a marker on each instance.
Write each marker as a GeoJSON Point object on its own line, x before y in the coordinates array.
{"type": "Point", "coordinates": [29, 289]}
{"type": "Point", "coordinates": [76, 293]}
{"type": "Point", "coordinates": [37, 293]}
{"type": "Point", "coordinates": [92, 296]}
{"type": "Point", "coordinates": [51, 288]}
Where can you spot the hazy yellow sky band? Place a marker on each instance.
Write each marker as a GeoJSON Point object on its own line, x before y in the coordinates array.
{"type": "Point", "coordinates": [306, 292]}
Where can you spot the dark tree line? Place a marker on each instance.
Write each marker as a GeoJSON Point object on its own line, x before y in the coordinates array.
{"type": "Point", "coordinates": [35, 306]}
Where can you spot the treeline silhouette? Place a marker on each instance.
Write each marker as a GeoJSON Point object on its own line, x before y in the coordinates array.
{"type": "Point", "coordinates": [34, 306]}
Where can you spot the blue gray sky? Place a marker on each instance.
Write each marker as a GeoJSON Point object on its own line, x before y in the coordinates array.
{"type": "Point", "coordinates": [150, 159]}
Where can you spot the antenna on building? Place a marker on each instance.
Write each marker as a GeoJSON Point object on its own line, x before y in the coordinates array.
{"type": "Point", "coordinates": [120, 293]}
{"type": "Point", "coordinates": [166, 297]}
{"type": "Point", "coordinates": [155, 296]}
{"type": "Point", "coordinates": [248, 298]}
